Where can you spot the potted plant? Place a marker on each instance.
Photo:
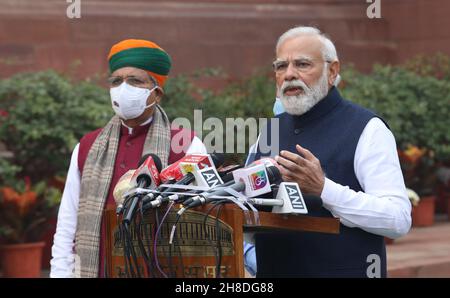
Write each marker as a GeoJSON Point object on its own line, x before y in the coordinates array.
{"type": "Point", "coordinates": [24, 212]}
{"type": "Point", "coordinates": [419, 170]}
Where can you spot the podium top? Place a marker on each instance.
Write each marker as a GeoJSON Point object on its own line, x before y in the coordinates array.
{"type": "Point", "coordinates": [275, 222]}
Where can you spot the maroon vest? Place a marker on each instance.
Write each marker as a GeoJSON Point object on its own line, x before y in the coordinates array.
{"type": "Point", "coordinates": [128, 155]}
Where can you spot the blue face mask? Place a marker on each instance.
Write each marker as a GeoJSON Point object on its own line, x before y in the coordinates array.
{"type": "Point", "coordinates": [278, 107]}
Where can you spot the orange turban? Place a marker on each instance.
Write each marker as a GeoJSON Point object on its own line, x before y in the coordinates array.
{"type": "Point", "coordinates": [142, 54]}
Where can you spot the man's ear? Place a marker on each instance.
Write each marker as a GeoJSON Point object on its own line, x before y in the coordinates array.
{"type": "Point", "coordinates": [333, 72]}
{"type": "Point", "coordinates": [159, 93]}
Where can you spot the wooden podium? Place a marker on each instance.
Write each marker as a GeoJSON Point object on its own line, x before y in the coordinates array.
{"type": "Point", "coordinates": [194, 252]}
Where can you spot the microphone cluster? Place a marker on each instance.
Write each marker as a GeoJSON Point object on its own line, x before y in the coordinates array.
{"type": "Point", "coordinates": [194, 181]}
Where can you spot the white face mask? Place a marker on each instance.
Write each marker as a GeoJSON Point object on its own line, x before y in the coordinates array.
{"type": "Point", "coordinates": [129, 102]}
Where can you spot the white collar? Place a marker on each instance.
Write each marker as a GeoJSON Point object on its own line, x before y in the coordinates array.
{"type": "Point", "coordinates": [130, 129]}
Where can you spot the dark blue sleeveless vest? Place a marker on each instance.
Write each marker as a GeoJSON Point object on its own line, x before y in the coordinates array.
{"type": "Point", "coordinates": [330, 130]}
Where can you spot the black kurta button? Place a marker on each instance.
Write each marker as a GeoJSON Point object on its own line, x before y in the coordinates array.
{"type": "Point", "coordinates": [297, 131]}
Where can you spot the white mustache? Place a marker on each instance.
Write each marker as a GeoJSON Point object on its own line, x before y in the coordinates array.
{"type": "Point", "coordinates": [295, 83]}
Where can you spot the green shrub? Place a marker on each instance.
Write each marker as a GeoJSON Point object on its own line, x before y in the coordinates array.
{"type": "Point", "coordinates": [44, 115]}
{"type": "Point", "coordinates": [8, 172]}
{"type": "Point", "coordinates": [415, 107]}
{"type": "Point", "coordinates": [250, 97]}
{"type": "Point", "coordinates": [437, 65]}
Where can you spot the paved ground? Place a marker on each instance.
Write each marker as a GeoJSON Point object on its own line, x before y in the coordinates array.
{"type": "Point", "coordinates": [424, 252]}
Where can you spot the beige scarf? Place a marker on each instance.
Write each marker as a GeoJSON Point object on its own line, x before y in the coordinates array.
{"type": "Point", "coordinates": [95, 183]}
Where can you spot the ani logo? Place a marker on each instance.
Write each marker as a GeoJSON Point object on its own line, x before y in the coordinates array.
{"type": "Point", "coordinates": [258, 180]}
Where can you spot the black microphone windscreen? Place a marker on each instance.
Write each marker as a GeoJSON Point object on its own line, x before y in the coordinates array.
{"type": "Point", "coordinates": [274, 175]}
{"type": "Point", "coordinates": [228, 169]}
{"type": "Point", "coordinates": [228, 177]}
{"type": "Point", "coordinates": [156, 160]}
{"type": "Point", "coordinates": [143, 158]}
{"type": "Point", "coordinates": [217, 158]}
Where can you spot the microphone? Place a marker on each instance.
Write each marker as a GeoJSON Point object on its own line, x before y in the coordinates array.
{"type": "Point", "coordinates": [146, 176]}
{"type": "Point", "coordinates": [208, 175]}
{"type": "Point", "coordinates": [293, 201]}
{"type": "Point", "coordinates": [253, 181]}
{"type": "Point", "coordinates": [127, 182]}
{"type": "Point", "coordinates": [123, 185]}
{"type": "Point", "coordinates": [186, 164]}
{"type": "Point", "coordinates": [289, 199]}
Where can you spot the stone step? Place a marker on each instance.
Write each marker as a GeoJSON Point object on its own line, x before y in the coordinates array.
{"type": "Point", "coordinates": [424, 252]}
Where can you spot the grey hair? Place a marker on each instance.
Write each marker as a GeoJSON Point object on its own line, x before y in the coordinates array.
{"type": "Point", "coordinates": [328, 50]}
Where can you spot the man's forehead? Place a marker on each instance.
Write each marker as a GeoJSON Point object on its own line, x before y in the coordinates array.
{"type": "Point", "coordinates": [304, 46]}
{"type": "Point", "coordinates": [129, 71]}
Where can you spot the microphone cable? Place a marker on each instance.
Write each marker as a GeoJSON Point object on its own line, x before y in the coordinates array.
{"type": "Point", "coordinates": [128, 232]}
{"type": "Point", "coordinates": [173, 241]}
{"type": "Point", "coordinates": [125, 253]}
{"type": "Point", "coordinates": [130, 252]}
{"type": "Point", "coordinates": [219, 244]}
{"type": "Point", "coordinates": [180, 256]}
{"type": "Point", "coordinates": [145, 255]}
{"type": "Point", "coordinates": [208, 235]}
{"type": "Point", "coordinates": [156, 239]}
{"type": "Point", "coordinates": [157, 235]}
{"type": "Point", "coordinates": [169, 262]}
{"type": "Point", "coordinates": [150, 246]}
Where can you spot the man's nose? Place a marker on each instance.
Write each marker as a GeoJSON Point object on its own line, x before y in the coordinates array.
{"type": "Point", "coordinates": [291, 73]}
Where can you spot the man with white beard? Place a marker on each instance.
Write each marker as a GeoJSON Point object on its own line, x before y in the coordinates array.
{"type": "Point", "coordinates": [336, 150]}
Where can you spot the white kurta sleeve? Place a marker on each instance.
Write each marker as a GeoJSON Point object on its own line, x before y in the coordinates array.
{"type": "Point", "coordinates": [383, 207]}
{"type": "Point", "coordinates": [63, 258]}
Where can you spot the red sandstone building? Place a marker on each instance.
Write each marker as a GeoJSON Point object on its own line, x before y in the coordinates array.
{"type": "Point", "coordinates": [237, 35]}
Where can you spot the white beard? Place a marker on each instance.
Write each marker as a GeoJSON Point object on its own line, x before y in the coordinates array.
{"type": "Point", "coordinates": [302, 103]}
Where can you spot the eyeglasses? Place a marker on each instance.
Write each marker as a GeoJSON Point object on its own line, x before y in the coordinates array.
{"type": "Point", "coordinates": [131, 80]}
{"type": "Point", "coordinates": [302, 65]}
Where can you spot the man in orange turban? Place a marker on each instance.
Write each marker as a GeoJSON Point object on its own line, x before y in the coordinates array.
{"type": "Point", "coordinates": [138, 72]}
